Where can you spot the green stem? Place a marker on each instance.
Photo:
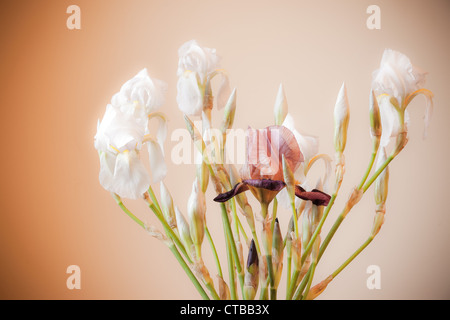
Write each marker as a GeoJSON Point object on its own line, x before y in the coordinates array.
{"type": "Point", "coordinates": [310, 278]}
{"type": "Point", "coordinates": [353, 256]}
{"type": "Point", "coordinates": [274, 213]}
{"type": "Point", "coordinates": [369, 168]}
{"type": "Point", "coordinates": [294, 214]}
{"type": "Point", "coordinates": [169, 230]}
{"type": "Point", "coordinates": [273, 293]}
{"type": "Point", "coordinates": [188, 271]}
{"type": "Point", "coordinates": [319, 228]}
{"type": "Point", "coordinates": [213, 248]}
{"type": "Point", "coordinates": [153, 197]}
{"type": "Point", "coordinates": [263, 295]}
{"type": "Point", "coordinates": [270, 270]}
{"type": "Point", "coordinates": [291, 289]}
{"type": "Point", "coordinates": [231, 269]}
{"type": "Point", "coordinates": [174, 251]}
{"type": "Point", "coordinates": [132, 216]}
{"type": "Point", "coordinates": [301, 287]}
{"type": "Point", "coordinates": [378, 172]}
{"type": "Point", "coordinates": [233, 246]}
{"type": "Point", "coordinates": [345, 211]}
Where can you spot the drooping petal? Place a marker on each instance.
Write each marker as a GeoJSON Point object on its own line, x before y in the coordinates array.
{"type": "Point", "coordinates": [428, 108]}
{"type": "Point", "coordinates": [158, 167]}
{"type": "Point", "coordinates": [317, 197]}
{"type": "Point", "coordinates": [189, 95]}
{"type": "Point", "coordinates": [130, 178]}
{"type": "Point", "coordinates": [238, 188]}
{"type": "Point", "coordinates": [390, 121]}
{"type": "Point", "coordinates": [107, 164]}
{"type": "Point", "coordinates": [119, 131]}
{"type": "Point", "coordinates": [272, 185]}
{"type": "Point", "coordinates": [161, 133]}
{"type": "Point", "coordinates": [224, 91]}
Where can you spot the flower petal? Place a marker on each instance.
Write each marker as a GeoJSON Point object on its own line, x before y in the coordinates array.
{"type": "Point", "coordinates": [317, 197]}
{"type": "Point", "coordinates": [189, 95]}
{"type": "Point", "coordinates": [238, 188]}
{"type": "Point", "coordinates": [273, 185]}
{"type": "Point", "coordinates": [131, 179]}
{"type": "Point", "coordinates": [158, 166]}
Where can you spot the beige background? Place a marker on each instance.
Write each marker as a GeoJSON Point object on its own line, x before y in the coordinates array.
{"type": "Point", "coordinates": [56, 83]}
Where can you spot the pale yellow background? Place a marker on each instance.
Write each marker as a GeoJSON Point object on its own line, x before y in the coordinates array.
{"type": "Point", "coordinates": [56, 83]}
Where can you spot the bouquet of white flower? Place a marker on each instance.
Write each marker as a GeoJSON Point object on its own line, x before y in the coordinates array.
{"type": "Point", "coordinates": [278, 159]}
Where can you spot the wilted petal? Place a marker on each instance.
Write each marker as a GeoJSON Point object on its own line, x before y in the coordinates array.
{"type": "Point", "coordinates": [238, 188]}
{"type": "Point", "coordinates": [317, 197]}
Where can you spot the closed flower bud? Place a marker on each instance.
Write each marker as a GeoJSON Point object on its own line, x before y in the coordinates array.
{"type": "Point", "coordinates": [183, 229]}
{"type": "Point", "coordinates": [377, 222]}
{"type": "Point", "coordinates": [277, 252]}
{"type": "Point", "coordinates": [196, 213]}
{"type": "Point", "coordinates": [375, 120]}
{"type": "Point", "coordinates": [318, 288]}
{"type": "Point", "coordinates": [202, 171]}
{"type": "Point", "coordinates": [224, 290]}
{"type": "Point", "coordinates": [251, 279]}
{"type": "Point", "coordinates": [167, 206]}
{"type": "Point", "coordinates": [341, 120]}
{"type": "Point", "coordinates": [280, 109]}
{"type": "Point", "coordinates": [229, 111]}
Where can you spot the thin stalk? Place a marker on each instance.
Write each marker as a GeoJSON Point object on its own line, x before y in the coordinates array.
{"type": "Point", "coordinates": [377, 173]}
{"type": "Point", "coordinates": [353, 256]}
{"type": "Point", "coordinates": [154, 199]}
{"type": "Point", "coordinates": [169, 230]}
{"type": "Point", "coordinates": [294, 279]}
{"type": "Point", "coordinates": [174, 250]}
{"type": "Point", "coordinates": [131, 215]}
{"type": "Point", "coordinates": [274, 213]}
{"type": "Point", "coordinates": [188, 271]}
{"type": "Point", "coordinates": [301, 287]}
{"type": "Point", "coordinates": [213, 248]}
{"type": "Point", "coordinates": [264, 295]}
{"type": "Point", "coordinates": [310, 278]}
{"type": "Point", "coordinates": [271, 275]}
{"type": "Point", "coordinates": [345, 211]}
{"type": "Point", "coordinates": [233, 246]}
{"type": "Point", "coordinates": [369, 168]}
{"type": "Point", "coordinates": [319, 228]}
{"type": "Point", "coordinates": [288, 268]}
{"type": "Point", "coordinates": [231, 269]}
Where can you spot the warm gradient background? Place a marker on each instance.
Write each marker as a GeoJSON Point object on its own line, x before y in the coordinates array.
{"type": "Point", "coordinates": [55, 84]}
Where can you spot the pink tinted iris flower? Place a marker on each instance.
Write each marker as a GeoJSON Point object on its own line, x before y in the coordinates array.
{"type": "Point", "coordinates": [262, 172]}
